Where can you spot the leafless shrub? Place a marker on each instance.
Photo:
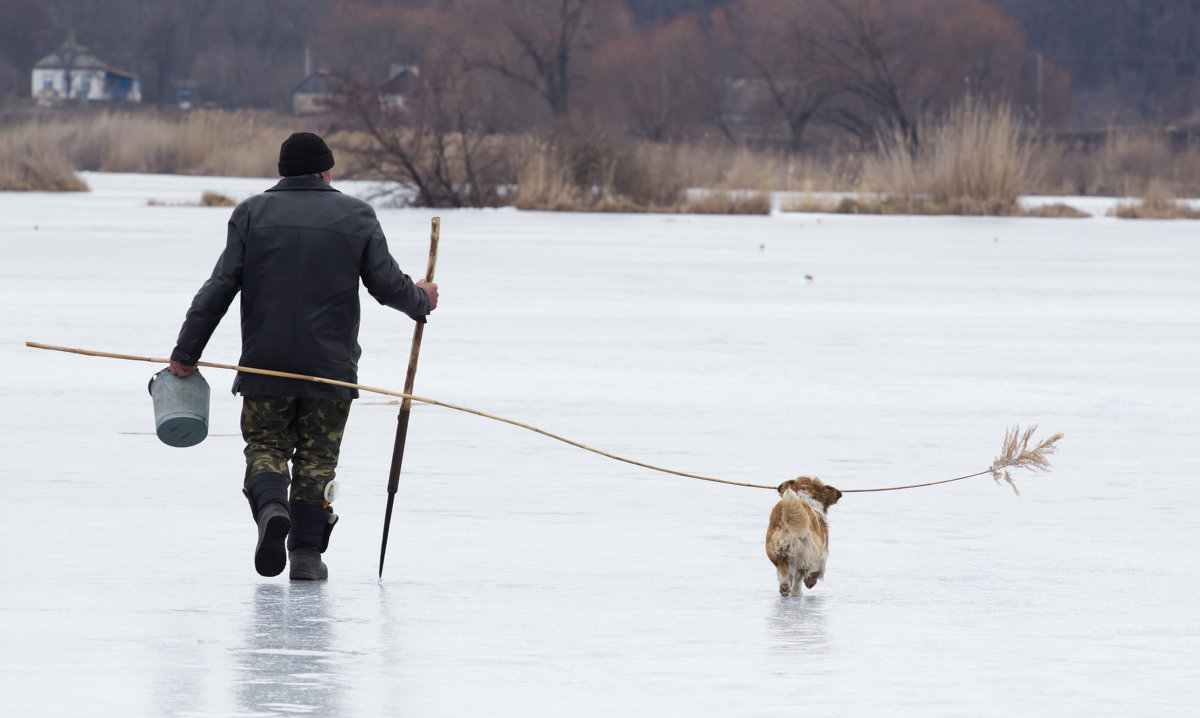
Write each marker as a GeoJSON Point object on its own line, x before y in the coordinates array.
{"type": "Point", "coordinates": [433, 143]}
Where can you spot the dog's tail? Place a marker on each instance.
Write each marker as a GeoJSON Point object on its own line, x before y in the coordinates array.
{"type": "Point", "coordinates": [796, 514]}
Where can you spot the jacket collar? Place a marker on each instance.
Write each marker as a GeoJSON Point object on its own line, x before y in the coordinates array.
{"type": "Point", "coordinates": [302, 183]}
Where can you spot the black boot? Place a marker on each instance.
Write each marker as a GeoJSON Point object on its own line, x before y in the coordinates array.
{"type": "Point", "coordinates": [311, 526]}
{"type": "Point", "coordinates": [267, 494]}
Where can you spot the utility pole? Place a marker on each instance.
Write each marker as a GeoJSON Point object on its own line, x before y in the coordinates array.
{"type": "Point", "coordinates": [1038, 55]}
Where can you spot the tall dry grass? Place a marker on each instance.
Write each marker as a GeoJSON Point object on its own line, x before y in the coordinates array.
{"type": "Point", "coordinates": [35, 164]}
{"type": "Point", "coordinates": [202, 142]}
{"type": "Point", "coordinates": [975, 160]}
{"type": "Point", "coordinates": [1125, 165]}
{"type": "Point", "coordinates": [601, 173]}
{"type": "Point", "coordinates": [1157, 202]}
{"type": "Point", "coordinates": [1016, 453]}
{"type": "Point", "coordinates": [544, 182]}
{"type": "Point", "coordinates": [209, 142]}
{"type": "Point", "coordinates": [594, 172]}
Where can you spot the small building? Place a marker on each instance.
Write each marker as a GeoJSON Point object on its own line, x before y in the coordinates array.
{"type": "Point", "coordinates": [314, 93]}
{"type": "Point", "coordinates": [745, 101]}
{"type": "Point", "coordinates": [72, 72]}
{"type": "Point", "coordinates": [403, 82]}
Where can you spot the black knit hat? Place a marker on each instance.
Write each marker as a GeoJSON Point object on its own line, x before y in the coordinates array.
{"type": "Point", "coordinates": [304, 153]}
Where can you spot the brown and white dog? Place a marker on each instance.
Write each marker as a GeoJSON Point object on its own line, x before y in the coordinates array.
{"type": "Point", "coordinates": [798, 535]}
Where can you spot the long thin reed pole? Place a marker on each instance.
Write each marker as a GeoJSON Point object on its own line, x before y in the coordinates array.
{"type": "Point", "coordinates": [406, 402]}
{"type": "Point", "coordinates": [996, 466]}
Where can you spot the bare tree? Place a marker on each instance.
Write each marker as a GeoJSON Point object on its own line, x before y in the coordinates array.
{"type": "Point", "coordinates": [24, 37]}
{"type": "Point", "coordinates": [899, 60]}
{"type": "Point", "coordinates": [71, 27]}
{"type": "Point", "coordinates": [777, 41]}
{"type": "Point", "coordinates": [1128, 61]}
{"type": "Point", "coordinates": [656, 83]}
{"type": "Point", "coordinates": [169, 34]}
{"type": "Point", "coordinates": [436, 138]}
{"type": "Point", "coordinates": [542, 45]}
{"type": "Point", "coordinates": [362, 42]}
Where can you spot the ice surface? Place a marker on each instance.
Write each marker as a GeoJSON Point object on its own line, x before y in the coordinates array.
{"type": "Point", "coordinates": [528, 578]}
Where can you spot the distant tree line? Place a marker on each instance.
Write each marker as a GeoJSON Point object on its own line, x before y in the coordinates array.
{"type": "Point", "coordinates": [793, 72]}
{"type": "Point", "coordinates": [1129, 62]}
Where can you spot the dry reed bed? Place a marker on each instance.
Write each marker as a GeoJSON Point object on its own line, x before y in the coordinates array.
{"type": "Point", "coordinates": [33, 163]}
{"type": "Point", "coordinates": [975, 161]}
{"type": "Point", "coordinates": [202, 143]}
{"type": "Point", "coordinates": [1157, 202]}
{"type": "Point", "coordinates": [1127, 165]}
{"type": "Point", "coordinates": [594, 173]}
{"type": "Point", "coordinates": [208, 198]}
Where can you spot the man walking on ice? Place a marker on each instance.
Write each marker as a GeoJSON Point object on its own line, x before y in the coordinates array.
{"type": "Point", "coordinates": [297, 252]}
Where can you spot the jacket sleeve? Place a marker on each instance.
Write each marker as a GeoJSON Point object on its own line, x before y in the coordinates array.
{"type": "Point", "coordinates": [215, 296]}
{"type": "Point", "coordinates": [384, 280]}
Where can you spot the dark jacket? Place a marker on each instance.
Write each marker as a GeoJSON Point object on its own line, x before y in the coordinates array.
{"type": "Point", "coordinates": [296, 253]}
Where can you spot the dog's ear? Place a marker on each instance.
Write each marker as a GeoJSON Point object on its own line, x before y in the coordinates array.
{"type": "Point", "coordinates": [829, 496]}
{"type": "Point", "coordinates": [784, 487]}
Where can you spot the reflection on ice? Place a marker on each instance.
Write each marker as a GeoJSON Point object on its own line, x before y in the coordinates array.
{"type": "Point", "coordinates": [800, 624]}
{"type": "Point", "coordinates": [288, 664]}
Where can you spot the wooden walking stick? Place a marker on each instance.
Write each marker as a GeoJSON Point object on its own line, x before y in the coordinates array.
{"type": "Point", "coordinates": [406, 403]}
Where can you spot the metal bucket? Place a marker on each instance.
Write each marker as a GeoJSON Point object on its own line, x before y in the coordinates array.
{"type": "Point", "coordinates": [180, 408]}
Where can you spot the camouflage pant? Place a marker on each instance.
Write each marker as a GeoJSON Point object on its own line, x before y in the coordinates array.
{"type": "Point", "coordinates": [306, 432]}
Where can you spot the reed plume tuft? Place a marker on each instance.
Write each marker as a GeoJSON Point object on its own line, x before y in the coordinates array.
{"type": "Point", "coordinates": [1017, 454]}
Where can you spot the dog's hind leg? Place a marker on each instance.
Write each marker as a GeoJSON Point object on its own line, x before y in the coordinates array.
{"type": "Point", "coordinates": [810, 579]}
{"type": "Point", "coordinates": [785, 582]}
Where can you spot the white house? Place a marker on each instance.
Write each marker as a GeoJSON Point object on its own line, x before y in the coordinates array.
{"type": "Point", "coordinates": [73, 72]}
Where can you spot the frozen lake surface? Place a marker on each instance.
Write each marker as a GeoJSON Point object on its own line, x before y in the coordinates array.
{"type": "Point", "coordinates": [528, 578]}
